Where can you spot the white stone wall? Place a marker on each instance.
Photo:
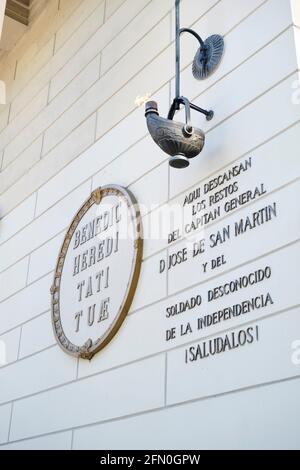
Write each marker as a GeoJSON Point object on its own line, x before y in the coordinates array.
{"type": "Point", "coordinates": [71, 125]}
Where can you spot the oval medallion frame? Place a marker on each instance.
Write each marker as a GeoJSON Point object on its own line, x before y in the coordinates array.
{"type": "Point", "coordinates": [90, 348]}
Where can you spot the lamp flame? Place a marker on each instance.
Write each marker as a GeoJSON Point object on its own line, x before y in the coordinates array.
{"type": "Point", "coordinates": [141, 100]}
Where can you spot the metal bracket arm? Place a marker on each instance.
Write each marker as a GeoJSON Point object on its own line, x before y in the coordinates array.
{"type": "Point", "coordinates": [193, 33]}
{"type": "Point", "coordinates": [188, 106]}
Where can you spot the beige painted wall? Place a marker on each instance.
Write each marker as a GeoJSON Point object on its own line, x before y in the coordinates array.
{"type": "Point", "coordinates": [70, 125]}
{"type": "Point", "coordinates": [2, 85]}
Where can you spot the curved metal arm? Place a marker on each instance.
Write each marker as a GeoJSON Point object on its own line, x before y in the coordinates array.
{"type": "Point", "coordinates": [180, 31]}
{"type": "Point", "coordinates": [187, 106]}
{"type": "Point", "coordinates": [193, 33]}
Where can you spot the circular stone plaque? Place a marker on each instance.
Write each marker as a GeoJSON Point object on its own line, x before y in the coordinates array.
{"type": "Point", "coordinates": [97, 272]}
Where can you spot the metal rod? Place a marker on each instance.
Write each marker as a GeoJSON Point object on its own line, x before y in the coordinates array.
{"type": "Point", "coordinates": [178, 33]}
{"type": "Point", "coordinates": [177, 7]}
{"type": "Point", "coordinates": [178, 98]}
{"type": "Point", "coordinates": [200, 110]}
{"type": "Point", "coordinates": [209, 114]}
